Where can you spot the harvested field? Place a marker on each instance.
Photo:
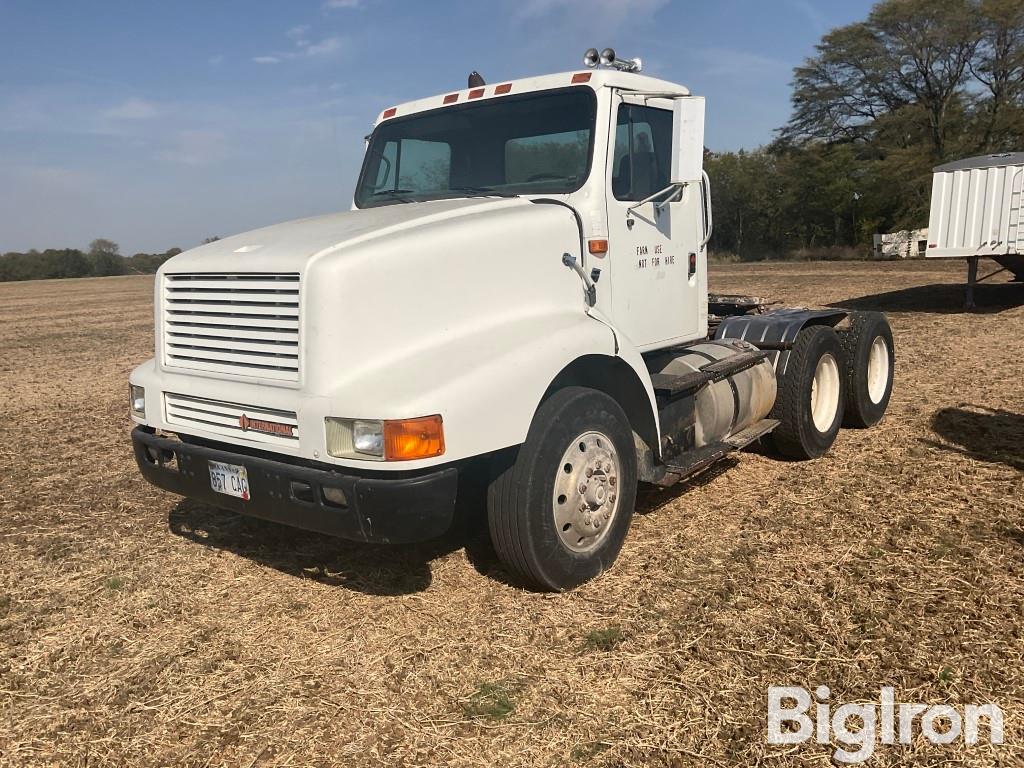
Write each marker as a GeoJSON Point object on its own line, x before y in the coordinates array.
{"type": "Point", "coordinates": [137, 629]}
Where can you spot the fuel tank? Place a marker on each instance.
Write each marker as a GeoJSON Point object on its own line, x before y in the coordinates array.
{"type": "Point", "coordinates": [729, 406]}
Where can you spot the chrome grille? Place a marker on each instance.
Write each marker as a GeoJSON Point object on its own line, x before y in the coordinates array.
{"type": "Point", "coordinates": [249, 422]}
{"type": "Point", "coordinates": [244, 323]}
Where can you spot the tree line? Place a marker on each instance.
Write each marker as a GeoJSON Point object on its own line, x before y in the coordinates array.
{"type": "Point", "coordinates": [882, 101]}
{"type": "Point", "coordinates": [102, 259]}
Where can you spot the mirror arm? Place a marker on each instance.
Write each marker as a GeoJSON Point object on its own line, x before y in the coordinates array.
{"type": "Point", "coordinates": [670, 188]}
{"type": "Point", "coordinates": [570, 261]}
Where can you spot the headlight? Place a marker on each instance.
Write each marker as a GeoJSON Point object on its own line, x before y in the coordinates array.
{"type": "Point", "coordinates": [137, 400]}
{"type": "Point", "coordinates": [355, 439]}
{"type": "Point", "coordinates": [398, 440]}
{"type": "Point", "coordinates": [368, 437]}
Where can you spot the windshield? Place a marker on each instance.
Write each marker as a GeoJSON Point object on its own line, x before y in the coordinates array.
{"type": "Point", "coordinates": [537, 143]}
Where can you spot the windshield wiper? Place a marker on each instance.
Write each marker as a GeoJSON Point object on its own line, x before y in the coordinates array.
{"type": "Point", "coordinates": [482, 192]}
{"type": "Point", "coordinates": [396, 194]}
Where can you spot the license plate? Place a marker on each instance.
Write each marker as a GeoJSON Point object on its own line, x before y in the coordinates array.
{"type": "Point", "coordinates": [229, 479]}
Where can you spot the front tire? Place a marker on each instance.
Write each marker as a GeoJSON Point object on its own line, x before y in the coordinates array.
{"type": "Point", "coordinates": [809, 405]}
{"type": "Point", "coordinates": [559, 512]}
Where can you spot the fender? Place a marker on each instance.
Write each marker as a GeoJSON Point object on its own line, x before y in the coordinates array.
{"type": "Point", "coordinates": [775, 331]}
{"type": "Point", "coordinates": [628, 353]}
{"type": "Point", "coordinates": [624, 348]}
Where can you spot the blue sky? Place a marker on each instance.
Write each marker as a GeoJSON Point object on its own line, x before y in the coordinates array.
{"type": "Point", "coordinates": [157, 124]}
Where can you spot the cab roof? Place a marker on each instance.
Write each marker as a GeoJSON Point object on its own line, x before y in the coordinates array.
{"type": "Point", "coordinates": [594, 78]}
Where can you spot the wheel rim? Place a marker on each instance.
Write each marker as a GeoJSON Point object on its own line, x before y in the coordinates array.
{"type": "Point", "coordinates": [586, 496]}
{"type": "Point", "coordinates": [825, 393]}
{"type": "Point", "coordinates": [878, 369]}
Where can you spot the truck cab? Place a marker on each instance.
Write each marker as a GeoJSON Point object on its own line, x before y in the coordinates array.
{"type": "Point", "coordinates": [521, 282]}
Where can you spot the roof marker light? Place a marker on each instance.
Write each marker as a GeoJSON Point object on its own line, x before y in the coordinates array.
{"type": "Point", "coordinates": [451, 98]}
{"type": "Point", "coordinates": [476, 93]}
{"type": "Point", "coordinates": [503, 88]}
{"type": "Point", "coordinates": [389, 113]}
{"type": "Point", "coordinates": [581, 77]}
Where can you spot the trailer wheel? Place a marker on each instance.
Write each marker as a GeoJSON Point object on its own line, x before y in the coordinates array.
{"type": "Point", "coordinates": [559, 512]}
{"type": "Point", "coordinates": [809, 405]}
{"type": "Point", "coordinates": [870, 362]}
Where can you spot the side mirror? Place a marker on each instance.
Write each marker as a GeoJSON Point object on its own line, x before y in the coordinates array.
{"type": "Point", "coordinates": [687, 139]}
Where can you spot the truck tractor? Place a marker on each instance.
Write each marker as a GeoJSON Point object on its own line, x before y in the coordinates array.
{"type": "Point", "coordinates": [521, 283]}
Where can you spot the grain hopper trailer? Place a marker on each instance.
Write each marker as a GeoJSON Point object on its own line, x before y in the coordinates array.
{"type": "Point", "coordinates": [976, 214]}
{"type": "Point", "coordinates": [521, 284]}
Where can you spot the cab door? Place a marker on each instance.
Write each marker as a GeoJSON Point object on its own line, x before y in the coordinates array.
{"type": "Point", "coordinates": [655, 255]}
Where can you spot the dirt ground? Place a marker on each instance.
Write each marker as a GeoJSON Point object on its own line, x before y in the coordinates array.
{"type": "Point", "coordinates": [137, 629]}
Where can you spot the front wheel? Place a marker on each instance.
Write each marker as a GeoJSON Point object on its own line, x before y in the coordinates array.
{"type": "Point", "coordinates": [559, 512]}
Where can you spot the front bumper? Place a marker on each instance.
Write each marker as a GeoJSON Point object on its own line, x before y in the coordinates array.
{"type": "Point", "coordinates": [401, 509]}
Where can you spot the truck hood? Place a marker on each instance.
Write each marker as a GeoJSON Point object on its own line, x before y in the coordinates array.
{"type": "Point", "coordinates": [291, 245]}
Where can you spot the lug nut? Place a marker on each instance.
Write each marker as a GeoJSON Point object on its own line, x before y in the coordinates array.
{"type": "Point", "coordinates": [590, 472]}
{"type": "Point", "coordinates": [611, 498]}
{"type": "Point", "coordinates": [612, 479]}
{"type": "Point", "coordinates": [583, 487]}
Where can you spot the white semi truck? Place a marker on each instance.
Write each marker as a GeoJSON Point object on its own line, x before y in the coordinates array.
{"type": "Point", "coordinates": [521, 283]}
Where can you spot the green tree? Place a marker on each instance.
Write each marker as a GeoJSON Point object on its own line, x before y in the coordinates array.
{"type": "Point", "coordinates": [907, 53]}
{"type": "Point", "coordinates": [747, 198]}
{"type": "Point", "coordinates": [884, 100]}
{"type": "Point", "coordinates": [999, 68]}
{"type": "Point", "coordinates": [104, 256]}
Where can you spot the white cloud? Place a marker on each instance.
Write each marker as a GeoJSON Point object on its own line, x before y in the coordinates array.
{"type": "Point", "coordinates": [132, 109]}
{"type": "Point", "coordinates": [299, 32]}
{"type": "Point", "coordinates": [331, 4]}
{"type": "Point", "coordinates": [814, 17]}
{"type": "Point", "coordinates": [606, 12]}
{"type": "Point", "coordinates": [53, 176]}
{"type": "Point", "coordinates": [727, 63]}
{"type": "Point", "coordinates": [216, 60]}
{"type": "Point", "coordinates": [303, 48]}
{"type": "Point", "coordinates": [324, 47]}
{"type": "Point", "coordinates": [196, 148]}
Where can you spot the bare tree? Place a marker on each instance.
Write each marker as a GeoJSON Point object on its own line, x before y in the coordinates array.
{"type": "Point", "coordinates": [103, 246]}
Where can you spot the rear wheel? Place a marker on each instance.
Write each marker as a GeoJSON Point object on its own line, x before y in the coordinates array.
{"type": "Point", "coordinates": [559, 512]}
{"type": "Point", "coordinates": [809, 405]}
{"type": "Point", "coordinates": [870, 363]}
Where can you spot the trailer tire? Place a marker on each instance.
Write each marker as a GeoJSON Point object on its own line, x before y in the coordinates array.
{"type": "Point", "coordinates": [870, 364]}
{"type": "Point", "coordinates": [579, 438]}
{"type": "Point", "coordinates": [809, 405]}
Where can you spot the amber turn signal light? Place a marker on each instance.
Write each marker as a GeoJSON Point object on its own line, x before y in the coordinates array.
{"type": "Point", "coordinates": [598, 246]}
{"type": "Point", "coordinates": [409, 439]}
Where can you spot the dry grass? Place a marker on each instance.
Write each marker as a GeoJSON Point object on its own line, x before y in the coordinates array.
{"type": "Point", "coordinates": [137, 629]}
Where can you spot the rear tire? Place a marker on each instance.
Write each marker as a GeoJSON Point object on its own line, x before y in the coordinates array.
{"type": "Point", "coordinates": [559, 511]}
{"type": "Point", "coordinates": [870, 364]}
{"type": "Point", "coordinates": [809, 405]}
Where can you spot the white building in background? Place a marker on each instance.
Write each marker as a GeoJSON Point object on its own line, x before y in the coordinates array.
{"type": "Point", "coordinates": [908, 244]}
